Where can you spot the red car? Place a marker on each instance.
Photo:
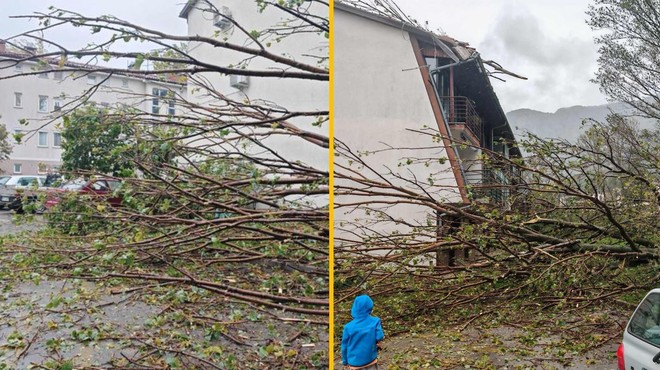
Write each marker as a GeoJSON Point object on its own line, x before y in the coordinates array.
{"type": "Point", "coordinates": [102, 187]}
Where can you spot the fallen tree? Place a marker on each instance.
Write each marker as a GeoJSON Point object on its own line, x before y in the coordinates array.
{"type": "Point", "coordinates": [569, 227]}
{"type": "Point", "coordinates": [576, 227]}
{"type": "Point", "coordinates": [211, 199]}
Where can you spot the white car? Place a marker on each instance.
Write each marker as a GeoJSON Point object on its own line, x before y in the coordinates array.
{"type": "Point", "coordinates": [9, 186]}
{"type": "Point", "coordinates": [640, 349]}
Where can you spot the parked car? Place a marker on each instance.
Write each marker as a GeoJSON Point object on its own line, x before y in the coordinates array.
{"type": "Point", "coordinates": [53, 180]}
{"type": "Point", "coordinates": [101, 187]}
{"type": "Point", "coordinates": [640, 348]}
{"type": "Point", "coordinates": [14, 188]}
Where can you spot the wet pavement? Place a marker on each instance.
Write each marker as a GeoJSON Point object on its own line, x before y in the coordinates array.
{"type": "Point", "coordinates": [57, 320]}
{"type": "Point", "coordinates": [11, 223]}
{"type": "Point", "coordinates": [69, 320]}
{"type": "Point", "coordinates": [53, 323]}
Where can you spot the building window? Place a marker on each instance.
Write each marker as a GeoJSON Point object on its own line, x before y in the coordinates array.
{"type": "Point", "coordinates": [171, 107]}
{"type": "Point", "coordinates": [43, 75]}
{"type": "Point", "coordinates": [58, 75]}
{"type": "Point", "coordinates": [91, 80]}
{"type": "Point", "coordinates": [43, 138]}
{"type": "Point", "coordinates": [18, 168]}
{"type": "Point", "coordinates": [57, 105]}
{"type": "Point", "coordinates": [18, 100]}
{"type": "Point", "coordinates": [43, 103]}
{"type": "Point", "coordinates": [155, 101]}
{"type": "Point", "coordinates": [124, 82]}
{"type": "Point", "coordinates": [42, 168]}
{"type": "Point", "coordinates": [18, 67]}
{"type": "Point", "coordinates": [57, 139]}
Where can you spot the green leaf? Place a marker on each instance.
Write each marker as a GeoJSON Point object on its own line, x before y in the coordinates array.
{"type": "Point", "coordinates": [139, 59]}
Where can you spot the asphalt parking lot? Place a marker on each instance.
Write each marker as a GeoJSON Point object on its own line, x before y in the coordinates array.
{"type": "Point", "coordinates": [9, 225]}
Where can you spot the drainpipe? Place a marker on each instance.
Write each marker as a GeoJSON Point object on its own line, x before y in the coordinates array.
{"type": "Point", "coordinates": [452, 111]}
{"type": "Point", "coordinates": [492, 134]}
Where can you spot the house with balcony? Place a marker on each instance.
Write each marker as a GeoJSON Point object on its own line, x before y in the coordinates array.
{"type": "Point", "coordinates": [394, 83]}
{"type": "Point", "coordinates": [473, 115]}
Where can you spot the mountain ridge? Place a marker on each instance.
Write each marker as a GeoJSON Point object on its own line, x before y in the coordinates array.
{"type": "Point", "coordinates": [566, 122]}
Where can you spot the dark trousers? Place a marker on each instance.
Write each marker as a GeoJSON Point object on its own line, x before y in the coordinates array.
{"type": "Point", "coordinates": [371, 367]}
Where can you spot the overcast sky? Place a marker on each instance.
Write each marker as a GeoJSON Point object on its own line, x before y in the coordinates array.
{"type": "Point", "coordinates": [161, 14]}
{"type": "Point", "coordinates": [544, 40]}
{"type": "Point", "coordinates": [157, 14]}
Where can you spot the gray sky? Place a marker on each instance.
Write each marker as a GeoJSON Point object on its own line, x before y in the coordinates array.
{"type": "Point", "coordinates": [161, 14]}
{"type": "Point", "coordinates": [546, 41]}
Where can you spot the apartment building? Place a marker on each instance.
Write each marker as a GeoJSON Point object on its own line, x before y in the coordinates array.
{"type": "Point", "coordinates": [35, 92]}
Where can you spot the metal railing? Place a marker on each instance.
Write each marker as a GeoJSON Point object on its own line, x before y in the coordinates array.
{"type": "Point", "coordinates": [500, 185]}
{"type": "Point", "coordinates": [491, 183]}
{"type": "Point", "coordinates": [459, 110]}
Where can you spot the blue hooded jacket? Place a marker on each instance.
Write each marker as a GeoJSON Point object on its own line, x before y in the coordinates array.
{"type": "Point", "coordinates": [358, 341]}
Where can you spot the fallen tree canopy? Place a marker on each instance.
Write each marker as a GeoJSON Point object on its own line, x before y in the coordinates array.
{"type": "Point", "coordinates": [214, 213]}
{"type": "Point", "coordinates": [576, 228]}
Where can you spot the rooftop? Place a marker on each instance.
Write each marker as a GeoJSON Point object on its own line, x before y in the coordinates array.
{"type": "Point", "coordinates": [62, 63]}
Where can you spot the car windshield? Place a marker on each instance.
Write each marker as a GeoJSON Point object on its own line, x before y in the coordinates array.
{"type": "Point", "coordinates": [645, 324]}
{"type": "Point", "coordinates": [52, 180]}
{"type": "Point", "coordinates": [27, 181]}
{"type": "Point", "coordinates": [114, 184]}
{"type": "Point", "coordinates": [4, 179]}
{"type": "Point", "coordinates": [73, 185]}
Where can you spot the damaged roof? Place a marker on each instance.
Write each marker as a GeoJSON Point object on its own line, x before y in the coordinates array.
{"type": "Point", "coordinates": [455, 49]}
{"type": "Point", "coordinates": [469, 68]}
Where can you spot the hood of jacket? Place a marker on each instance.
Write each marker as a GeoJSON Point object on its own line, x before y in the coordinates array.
{"type": "Point", "coordinates": [362, 306]}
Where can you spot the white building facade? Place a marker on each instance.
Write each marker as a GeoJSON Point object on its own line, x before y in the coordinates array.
{"type": "Point", "coordinates": [381, 105]}
{"type": "Point", "coordinates": [210, 19]}
{"type": "Point", "coordinates": [33, 103]}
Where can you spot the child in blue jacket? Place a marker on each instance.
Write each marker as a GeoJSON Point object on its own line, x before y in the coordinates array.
{"type": "Point", "coordinates": [361, 336]}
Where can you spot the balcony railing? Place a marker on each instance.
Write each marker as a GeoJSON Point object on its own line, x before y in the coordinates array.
{"type": "Point", "coordinates": [491, 183]}
{"type": "Point", "coordinates": [459, 110]}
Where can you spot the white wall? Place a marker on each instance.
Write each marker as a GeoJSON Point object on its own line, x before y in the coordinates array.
{"type": "Point", "coordinates": [379, 94]}
{"type": "Point", "coordinates": [292, 94]}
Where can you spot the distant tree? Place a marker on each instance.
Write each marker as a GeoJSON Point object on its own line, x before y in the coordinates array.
{"type": "Point", "coordinates": [173, 52]}
{"type": "Point", "coordinates": [5, 146]}
{"type": "Point", "coordinates": [629, 67]}
{"type": "Point", "coordinates": [94, 140]}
